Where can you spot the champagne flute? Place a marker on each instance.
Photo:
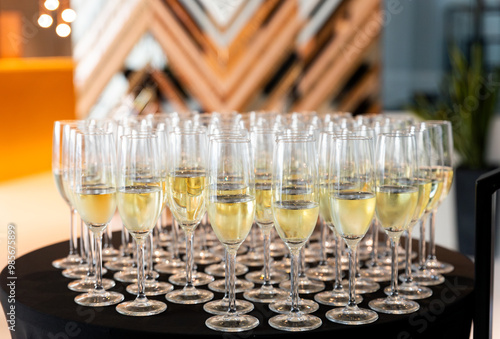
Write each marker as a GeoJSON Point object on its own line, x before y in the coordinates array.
{"type": "Point", "coordinates": [231, 211]}
{"type": "Point", "coordinates": [58, 168]}
{"type": "Point", "coordinates": [432, 262]}
{"type": "Point", "coordinates": [352, 203]}
{"type": "Point", "coordinates": [295, 215]}
{"type": "Point", "coordinates": [409, 289]}
{"type": "Point", "coordinates": [139, 200]}
{"type": "Point", "coordinates": [263, 146]}
{"type": "Point", "coordinates": [186, 189]}
{"type": "Point", "coordinates": [94, 187]}
{"type": "Point", "coordinates": [397, 197]}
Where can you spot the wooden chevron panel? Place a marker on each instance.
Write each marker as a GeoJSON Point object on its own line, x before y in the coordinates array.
{"type": "Point", "coordinates": [283, 55]}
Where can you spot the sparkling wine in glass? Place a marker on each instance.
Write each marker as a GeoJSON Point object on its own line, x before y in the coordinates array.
{"type": "Point", "coordinates": [231, 211]}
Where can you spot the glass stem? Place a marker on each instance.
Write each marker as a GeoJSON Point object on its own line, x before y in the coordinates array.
{"type": "Point", "coordinates": [226, 273]}
{"type": "Point", "coordinates": [266, 231]}
{"type": "Point", "coordinates": [231, 264]}
{"type": "Point", "coordinates": [189, 258]}
{"type": "Point", "coordinates": [421, 243]}
{"type": "Point", "coordinates": [302, 263]}
{"type": "Point", "coordinates": [83, 245]}
{"type": "Point", "coordinates": [409, 277]}
{"type": "Point", "coordinates": [394, 267]}
{"type": "Point", "coordinates": [352, 276]}
{"type": "Point", "coordinates": [338, 265]}
{"type": "Point", "coordinates": [72, 225]}
{"type": "Point", "coordinates": [98, 261]}
{"type": "Point", "coordinates": [91, 247]}
{"type": "Point", "coordinates": [322, 242]}
{"type": "Point", "coordinates": [374, 255]}
{"type": "Point", "coordinates": [150, 257]}
{"type": "Point", "coordinates": [432, 237]}
{"type": "Point", "coordinates": [294, 276]}
{"type": "Point", "coordinates": [175, 238]}
{"type": "Point", "coordinates": [123, 247]}
{"type": "Point", "coordinates": [140, 269]}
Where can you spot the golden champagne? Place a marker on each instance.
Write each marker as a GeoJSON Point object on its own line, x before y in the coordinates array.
{"type": "Point", "coordinates": [263, 211]}
{"type": "Point", "coordinates": [424, 192]}
{"type": "Point", "coordinates": [186, 195]}
{"type": "Point", "coordinates": [325, 210]}
{"type": "Point", "coordinates": [139, 207]}
{"type": "Point", "coordinates": [447, 181]}
{"type": "Point", "coordinates": [395, 207]}
{"type": "Point", "coordinates": [96, 205]}
{"type": "Point", "coordinates": [295, 220]}
{"type": "Point", "coordinates": [352, 214]}
{"type": "Point", "coordinates": [436, 176]}
{"type": "Point", "coordinates": [231, 217]}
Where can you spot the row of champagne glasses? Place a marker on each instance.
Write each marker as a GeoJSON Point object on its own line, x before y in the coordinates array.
{"type": "Point", "coordinates": [186, 196]}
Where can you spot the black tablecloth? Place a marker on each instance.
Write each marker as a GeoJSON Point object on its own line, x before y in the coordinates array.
{"type": "Point", "coordinates": [44, 308]}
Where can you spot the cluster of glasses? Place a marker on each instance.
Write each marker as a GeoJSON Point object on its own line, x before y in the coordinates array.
{"type": "Point", "coordinates": [287, 173]}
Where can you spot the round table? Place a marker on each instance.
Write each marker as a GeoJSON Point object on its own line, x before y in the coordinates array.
{"type": "Point", "coordinates": [44, 308]}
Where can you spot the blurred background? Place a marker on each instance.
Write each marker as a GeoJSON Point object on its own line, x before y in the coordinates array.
{"type": "Point", "coordinates": [111, 58]}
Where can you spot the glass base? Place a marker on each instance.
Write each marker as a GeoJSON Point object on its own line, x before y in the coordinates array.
{"type": "Point", "coordinates": [220, 307]}
{"type": "Point", "coordinates": [189, 296]}
{"type": "Point", "coordinates": [171, 266]}
{"type": "Point", "coordinates": [283, 265]}
{"type": "Point", "coordinates": [130, 276]}
{"type": "Point", "coordinates": [98, 299]}
{"type": "Point", "coordinates": [278, 249]}
{"type": "Point", "coordinates": [240, 286]}
{"type": "Point", "coordinates": [266, 294]}
{"type": "Point", "coordinates": [306, 286]}
{"type": "Point", "coordinates": [338, 298]}
{"type": "Point", "coordinates": [232, 322]}
{"type": "Point", "coordinates": [198, 278]}
{"type": "Point", "coordinates": [364, 252]}
{"type": "Point", "coordinates": [394, 305]}
{"type": "Point", "coordinates": [344, 263]}
{"type": "Point", "coordinates": [88, 284]}
{"type": "Point", "coordinates": [252, 259]}
{"type": "Point", "coordinates": [79, 272]}
{"type": "Point", "coordinates": [311, 257]}
{"type": "Point", "coordinates": [109, 253]}
{"type": "Point", "coordinates": [285, 306]}
{"type": "Point", "coordinates": [427, 278]}
{"type": "Point", "coordinates": [151, 288]}
{"type": "Point", "coordinates": [120, 264]}
{"type": "Point", "coordinates": [321, 272]}
{"type": "Point", "coordinates": [220, 249]}
{"type": "Point", "coordinates": [363, 285]}
{"type": "Point", "coordinates": [219, 270]}
{"type": "Point", "coordinates": [258, 277]}
{"type": "Point", "coordinates": [439, 266]}
{"type": "Point", "coordinates": [204, 257]}
{"type": "Point", "coordinates": [67, 262]}
{"type": "Point", "coordinates": [351, 315]}
{"type": "Point", "coordinates": [160, 255]}
{"type": "Point", "coordinates": [411, 291]}
{"type": "Point", "coordinates": [141, 308]}
{"type": "Point", "coordinates": [295, 322]}
{"type": "Point", "coordinates": [376, 273]}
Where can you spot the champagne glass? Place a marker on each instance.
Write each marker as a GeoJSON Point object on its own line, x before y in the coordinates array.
{"type": "Point", "coordinates": [93, 184]}
{"type": "Point", "coordinates": [397, 197]}
{"type": "Point", "coordinates": [263, 146]}
{"type": "Point", "coordinates": [432, 262]}
{"type": "Point", "coordinates": [139, 200]}
{"type": "Point", "coordinates": [352, 203]}
{"type": "Point", "coordinates": [58, 168]}
{"type": "Point", "coordinates": [295, 206]}
{"type": "Point", "coordinates": [186, 189]}
{"type": "Point", "coordinates": [231, 211]}
{"type": "Point", "coordinates": [409, 289]}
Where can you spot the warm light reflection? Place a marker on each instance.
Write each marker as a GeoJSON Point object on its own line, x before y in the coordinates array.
{"type": "Point", "coordinates": [51, 4]}
{"type": "Point", "coordinates": [45, 20]}
{"type": "Point", "coordinates": [68, 15]}
{"type": "Point", "coordinates": [63, 30]}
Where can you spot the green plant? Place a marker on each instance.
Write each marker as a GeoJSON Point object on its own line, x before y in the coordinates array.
{"type": "Point", "coordinates": [467, 98]}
